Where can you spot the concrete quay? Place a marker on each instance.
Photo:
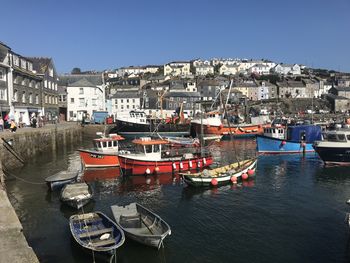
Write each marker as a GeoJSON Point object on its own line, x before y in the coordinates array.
{"type": "Point", "coordinates": [13, 245]}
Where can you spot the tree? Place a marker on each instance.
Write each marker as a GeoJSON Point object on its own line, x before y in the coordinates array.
{"type": "Point", "coordinates": [76, 71]}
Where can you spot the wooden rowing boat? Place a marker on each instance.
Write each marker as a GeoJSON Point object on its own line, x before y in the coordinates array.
{"type": "Point", "coordinates": [96, 232]}
{"type": "Point", "coordinates": [220, 175]}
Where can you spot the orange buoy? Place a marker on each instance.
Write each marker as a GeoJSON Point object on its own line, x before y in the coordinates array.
{"type": "Point", "coordinates": [214, 182]}
{"type": "Point", "coordinates": [244, 176]}
{"type": "Point", "coordinates": [250, 172]}
{"type": "Point", "coordinates": [283, 142]}
{"type": "Point", "coordinates": [156, 169]}
{"type": "Point", "coordinates": [234, 179]}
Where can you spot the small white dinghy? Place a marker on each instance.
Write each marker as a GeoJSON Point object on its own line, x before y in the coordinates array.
{"type": "Point", "coordinates": [76, 195]}
{"type": "Point", "coordinates": [140, 224]}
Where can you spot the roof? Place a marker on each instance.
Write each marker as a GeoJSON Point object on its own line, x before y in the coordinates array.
{"type": "Point", "coordinates": [182, 94]}
{"type": "Point", "coordinates": [342, 88]}
{"type": "Point", "coordinates": [111, 138]}
{"type": "Point", "coordinates": [126, 94]}
{"type": "Point", "coordinates": [65, 80]}
{"type": "Point", "coordinates": [40, 64]}
{"type": "Point", "coordinates": [82, 83]}
{"type": "Point", "coordinates": [148, 141]}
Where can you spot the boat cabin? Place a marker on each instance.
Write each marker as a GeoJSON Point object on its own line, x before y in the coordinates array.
{"type": "Point", "coordinates": [150, 147]}
{"type": "Point", "coordinates": [297, 133]}
{"type": "Point", "coordinates": [134, 116]}
{"type": "Point", "coordinates": [336, 136]}
{"type": "Point", "coordinates": [107, 144]}
{"type": "Point", "coordinates": [275, 132]}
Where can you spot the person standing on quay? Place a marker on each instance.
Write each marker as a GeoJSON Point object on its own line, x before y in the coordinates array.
{"type": "Point", "coordinates": [1, 124]}
{"type": "Point", "coordinates": [13, 126]}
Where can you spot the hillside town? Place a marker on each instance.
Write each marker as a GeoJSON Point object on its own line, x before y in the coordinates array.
{"type": "Point", "coordinates": [31, 87]}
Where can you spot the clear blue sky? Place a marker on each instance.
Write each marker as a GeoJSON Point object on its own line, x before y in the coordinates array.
{"type": "Point", "coordinates": [101, 34]}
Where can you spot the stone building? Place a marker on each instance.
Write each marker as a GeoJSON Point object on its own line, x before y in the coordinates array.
{"type": "Point", "coordinates": [45, 68]}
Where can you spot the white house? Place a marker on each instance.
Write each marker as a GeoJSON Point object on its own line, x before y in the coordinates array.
{"type": "Point", "coordinates": [137, 70]}
{"type": "Point", "coordinates": [259, 69]}
{"type": "Point", "coordinates": [204, 69]}
{"type": "Point", "coordinates": [285, 69]}
{"type": "Point", "coordinates": [263, 91]}
{"type": "Point", "coordinates": [84, 98]}
{"type": "Point", "coordinates": [228, 70]}
{"type": "Point", "coordinates": [177, 68]}
{"type": "Point", "coordinates": [125, 101]}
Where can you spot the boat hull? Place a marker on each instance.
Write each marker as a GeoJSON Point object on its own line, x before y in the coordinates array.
{"type": "Point", "coordinates": [89, 237]}
{"type": "Point", "coordinates": [139, 167]}
{"type": "Point", "coordinates": [334, 155]}
{"type": "Point", "coordinates": [234, 130]}
{"type": "Point", "coordinates": [146, 227]}
{"type": "Point", "coordinates": [268, 145]}
{"type": "Point", "coordinates": [224, 179]}
{"type": "Point", "coordinates": [95, 159]}
{"type": "Point", "coordinates": [130, 129]}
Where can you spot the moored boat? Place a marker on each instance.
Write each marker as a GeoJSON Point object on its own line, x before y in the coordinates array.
{"type": "Point", "coordinates": [61, 178]}
{"type": "Point", "coordinates": [96, 232]}
{"type": "Point", "coordinates": [137, 124]}
{"type": "Point", "coordinates": [76, 195]}
{"type": "Point", "coordinates": [104, 154]}
{"type": "Point", "coordinates": [214, 124]}
{"type": "Point", "coordinates": [221, 175]}
{"type": "Point", "coordinates": [288, 140]}
{"type": "Point", "coordinates": [334, 148]}
{"type": "Point", "coordinates": [150, 159]}
{"type": "Point", "coordinates": [141, 225]}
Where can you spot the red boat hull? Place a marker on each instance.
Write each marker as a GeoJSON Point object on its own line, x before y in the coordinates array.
{"type": "Point", "coordinates": [137, 167]}
{"type": "Point", "coordinates": [98, 159]}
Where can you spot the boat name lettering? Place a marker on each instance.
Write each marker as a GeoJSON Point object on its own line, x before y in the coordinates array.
{"type": "Point", "coordinates": [96, 156]}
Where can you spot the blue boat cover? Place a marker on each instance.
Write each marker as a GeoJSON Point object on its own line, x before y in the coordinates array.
{"type": "Point", "coordinates": [306, 133]}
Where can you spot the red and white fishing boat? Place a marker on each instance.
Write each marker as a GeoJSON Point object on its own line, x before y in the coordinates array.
{"type": "Point", "coordinates": [105, 152]}
{"type": "Point", "coordinates": [213, 123]}
{"type": "Point", "coordinates": [150, 159]}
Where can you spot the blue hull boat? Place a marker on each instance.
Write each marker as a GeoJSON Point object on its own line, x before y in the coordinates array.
{"type": "Point", "coordinates": [287, 140]}
{"type": "Point", "coordinates": [270, 145]}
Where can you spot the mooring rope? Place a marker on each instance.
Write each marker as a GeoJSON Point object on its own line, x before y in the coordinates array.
{"type": "Point", "coordinates": [24, 180]}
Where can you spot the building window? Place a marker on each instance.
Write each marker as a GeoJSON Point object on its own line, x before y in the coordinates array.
{"type": "Point", "coordinates": [3, 94]}
{"type": "Point", "coordinates": [94, 102]}
{"type": "Point", "coordinates": [71, 114]}
{"type": "Point", "coordinates": [45, 83]}
{"type": "Point", "coordinates": [30, 97]}
{"type": "Point", "coordinates": [95, 91]}
{"type": "Point", "coordinates": [81, 102]}
{"type": "Point", "coordinates": [71, 100]}
{"type": "Point", "coordinates": [23, 97]}
{"type": "Point", "coordinates": [133, 100]}
{"type": "Point", "coordinates": [81, 90]}
{"type": "Point", "coordinates": [2, 75]}
{"type": "Point", "coordinates": [37, 99]}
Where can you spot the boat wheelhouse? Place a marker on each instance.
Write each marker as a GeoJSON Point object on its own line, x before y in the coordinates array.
{"type": "Point", "coordinates": [334, 148]}
{"type": "Point", "coordinates": [152, 158]}
{"type": "Point", "coordinates": [105, 152]}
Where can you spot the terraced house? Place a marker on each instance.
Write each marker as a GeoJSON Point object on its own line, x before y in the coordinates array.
{"type": "Point", "coordinates": [22, 96]}
{"type": "Point", "coordinates": [45, 68]}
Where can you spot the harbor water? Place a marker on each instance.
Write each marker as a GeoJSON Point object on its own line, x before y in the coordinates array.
{"type": "Point", "coordinates": [293, 210]}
